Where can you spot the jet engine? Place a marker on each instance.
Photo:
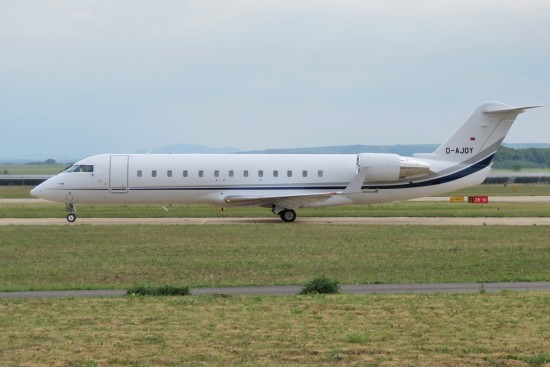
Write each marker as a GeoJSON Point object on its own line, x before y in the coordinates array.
{"type": "Point", "coordinates": [383, 167]}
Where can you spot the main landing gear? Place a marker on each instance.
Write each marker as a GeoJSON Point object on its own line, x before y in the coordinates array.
{"type": "Point", "coordinates": [287, 215]}
{"type": "Point", "coordinates": [71, 210]}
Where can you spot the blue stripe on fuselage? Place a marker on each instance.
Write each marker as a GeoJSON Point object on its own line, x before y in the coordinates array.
{"type": "Point", "coordinates": [476, 167]}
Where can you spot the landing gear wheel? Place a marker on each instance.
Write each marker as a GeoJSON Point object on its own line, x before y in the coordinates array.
{"type": "Point", "coordinates": [71, 212]}
{"type": "Point", "coordinates": [288, 215]}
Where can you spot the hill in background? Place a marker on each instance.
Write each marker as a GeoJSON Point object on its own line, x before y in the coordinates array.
{"type": "Point", "coordinates": [405, 150]}
{"type": "Point", "coordinates": [401, 149]}
{"type": "Point", "coordinates": [187, 149]}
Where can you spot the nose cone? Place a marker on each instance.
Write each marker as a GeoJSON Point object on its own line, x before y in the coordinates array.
{"type": "Point", "coordinates": [49, 190]}
{"type": "Point", "coordinates": [36, 191]}
{"type": "Point", "coordinates": [42, 191]}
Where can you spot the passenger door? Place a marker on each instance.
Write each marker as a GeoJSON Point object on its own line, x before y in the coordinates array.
{"type": "Point", "coordinates": [118, 177]}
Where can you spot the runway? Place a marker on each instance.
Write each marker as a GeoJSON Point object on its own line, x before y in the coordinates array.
{"type": "Point", "coordinates": [431, 221]}
{"type": "Point", "coordinates": [292, 290]}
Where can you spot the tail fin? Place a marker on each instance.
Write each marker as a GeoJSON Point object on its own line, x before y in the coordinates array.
{"type": "Point", "coordinates": [480, 136]}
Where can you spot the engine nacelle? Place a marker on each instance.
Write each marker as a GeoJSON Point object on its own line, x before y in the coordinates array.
{"type": "Point", "coordinates": [380, 167]}
{"type": "Point", "coordinates": [383, 167]}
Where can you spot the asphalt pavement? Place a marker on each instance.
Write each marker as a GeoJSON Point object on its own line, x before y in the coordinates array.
{"type": "Point", "coordinates": [430, 288]}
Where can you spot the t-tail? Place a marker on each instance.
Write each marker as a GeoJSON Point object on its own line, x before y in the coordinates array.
{"type": "Point", "coordinates": [478, 139]}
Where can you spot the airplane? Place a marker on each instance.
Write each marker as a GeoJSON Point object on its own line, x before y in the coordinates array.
{"type": "Point", "coordinates": [285, 182]}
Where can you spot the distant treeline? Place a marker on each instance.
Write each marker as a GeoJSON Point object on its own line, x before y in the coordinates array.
{"type": "Point", "coordinates": [46, 162]}
{"type": "Point", "coordinates": [515, 159]}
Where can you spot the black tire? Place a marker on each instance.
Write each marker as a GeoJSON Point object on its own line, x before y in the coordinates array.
{"type": "Point", "coordinates": [288, 215]}
{"type": "Point", "coordinates": [71, 217]}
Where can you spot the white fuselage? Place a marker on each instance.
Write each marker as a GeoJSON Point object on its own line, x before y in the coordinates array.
{"type": "Point", "coordinates": [209, 178]}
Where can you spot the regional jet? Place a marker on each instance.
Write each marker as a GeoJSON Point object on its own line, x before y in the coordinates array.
{"type": "Point", "coordinates": [285, 182]}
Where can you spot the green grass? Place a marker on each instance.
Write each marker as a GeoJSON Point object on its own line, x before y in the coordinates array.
{"type": "Point", "coordinates": [504, 329]}
{"type": "Point", "coordinates": [115, 257]}
{"type": "Point", "coordinates": [503, 190]}
{"type": "Point", "coordinates": [520, 171]}
{"type": "Point", "coordinates": [29, 169]}
{"type": "Point", "coordinates": [15, 192]}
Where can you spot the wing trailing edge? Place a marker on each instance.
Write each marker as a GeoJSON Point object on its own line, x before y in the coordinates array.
{"type": "Point", "coordinates": [286, 201]}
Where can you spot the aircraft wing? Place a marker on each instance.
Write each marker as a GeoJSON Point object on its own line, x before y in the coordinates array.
{"type": "Point", "coordinates": [284, 201]}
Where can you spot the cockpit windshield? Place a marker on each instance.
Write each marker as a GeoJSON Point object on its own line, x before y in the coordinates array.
{"type": "Point", "coordinates": [80, 168]}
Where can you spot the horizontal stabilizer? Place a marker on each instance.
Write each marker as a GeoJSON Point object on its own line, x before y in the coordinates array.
{"type": "Point", "coordinates": [500, 109]}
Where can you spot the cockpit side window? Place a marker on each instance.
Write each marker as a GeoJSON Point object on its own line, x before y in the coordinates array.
{"type": "Point", "coordinates": [85, 168]}
{"type": "Point", "coordinates": [81, 168]}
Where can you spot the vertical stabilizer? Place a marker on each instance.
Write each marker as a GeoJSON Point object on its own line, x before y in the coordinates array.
{"type": "Point", "coordinates": [480, 136]}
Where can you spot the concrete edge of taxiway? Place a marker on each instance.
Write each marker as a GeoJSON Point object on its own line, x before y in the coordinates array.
{"type": "Point", "coordinates": [357, 289]}
{"type": "Point", "coordinates": [524, 221]}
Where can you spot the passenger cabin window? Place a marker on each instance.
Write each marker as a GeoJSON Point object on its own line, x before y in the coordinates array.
{"type": "Point", "coordinates": [139, 173]}
{"type": "Point", "coordinates": [245, 173]}
{"type": "Point", "coordinates": [231, 173]}
{"type": "Point", "coordinates": [185, 173]}
{"type": "Point", "coordinates": [260, 173]}
{"type": "Point", "coordinates": [275, 173]}
{"type": "Point", "coordinates": [169, 173]}
{"type": "Point", "coordinates": [216, 173]}
{"type": "Point", "coordinates": [304, 173]}
{"type": "Point", "coordinates": [154, 173]}
{"type": "Point", "coordinates": [201, 173]}
{"type": "Point", "coordinates": [289, 173]}
{"type": "Point", "coordinates": [320, 173]}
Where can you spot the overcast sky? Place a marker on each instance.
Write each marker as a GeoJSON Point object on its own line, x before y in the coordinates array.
{"type": "Point", "coordinates": [80, 77]}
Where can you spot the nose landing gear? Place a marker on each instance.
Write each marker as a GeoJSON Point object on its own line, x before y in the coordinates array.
{"type": "Point", "coordinates": [71, 210]}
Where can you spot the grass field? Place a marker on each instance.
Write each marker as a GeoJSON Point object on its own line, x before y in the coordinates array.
{"type": "Point", "coordinates": [396, 209]}
{"type": "Point", "coordinates": [27, 169]}
{"type": "Point", "coordinates": [104, 257]}
{"type": "Point", "coordinates": [504, 329]}
{"type": "Point", "coordinates": [15, 192]}
{"type": "Point", "coordinates": [503, 190]}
